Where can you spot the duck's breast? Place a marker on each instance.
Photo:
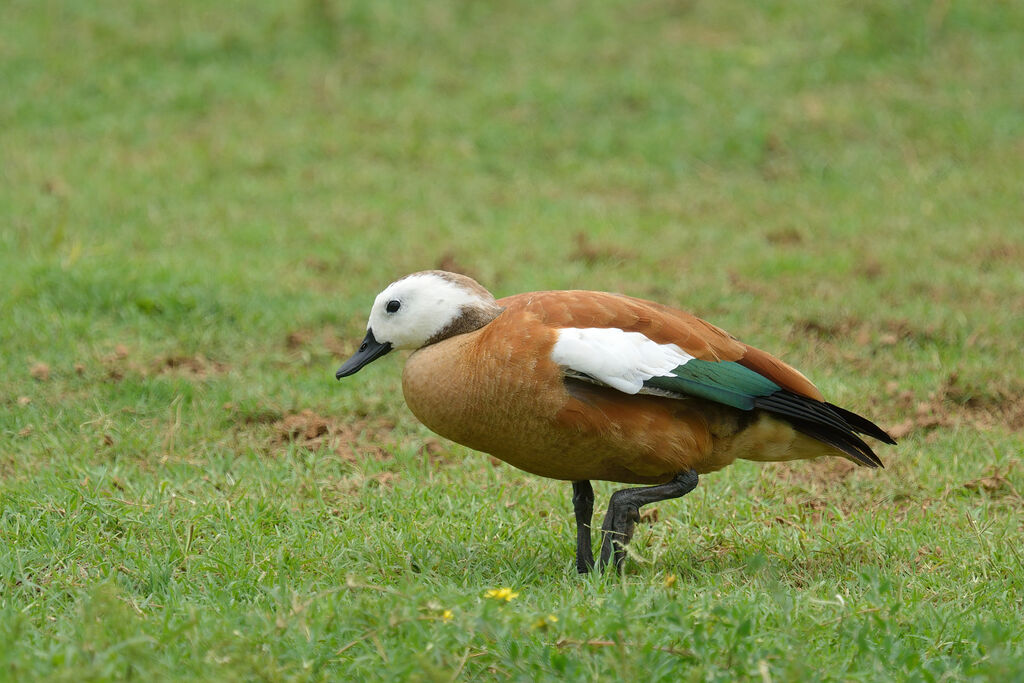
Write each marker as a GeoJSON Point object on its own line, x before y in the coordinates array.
{"type": "Point", "coordinates": [497, 390]}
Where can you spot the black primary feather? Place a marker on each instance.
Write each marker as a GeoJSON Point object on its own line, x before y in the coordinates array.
{"type": "Point", "coordinates": [862, 425]}
{"type": "Point", "coordinates": [827, 423]}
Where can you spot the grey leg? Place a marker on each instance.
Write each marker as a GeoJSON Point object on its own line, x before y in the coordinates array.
{"type": "Point", "coordinates": [624, 513]}
{"type": "Point", "coordinates": [583, 506]}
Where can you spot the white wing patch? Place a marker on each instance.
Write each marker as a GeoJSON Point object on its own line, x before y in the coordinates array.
{"type": "Point", "coordinates": [622, 360]}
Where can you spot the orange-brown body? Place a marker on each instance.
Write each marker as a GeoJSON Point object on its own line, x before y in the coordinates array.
{"type": "Point", "coordinates": [497, 390]}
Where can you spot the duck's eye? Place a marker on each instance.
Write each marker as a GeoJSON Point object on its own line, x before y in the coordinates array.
{"type": "Point", "coordinates": [393, 306]}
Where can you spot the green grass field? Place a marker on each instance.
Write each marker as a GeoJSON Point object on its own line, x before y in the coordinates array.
{"type": "Point", "coordinates": [198, 202]}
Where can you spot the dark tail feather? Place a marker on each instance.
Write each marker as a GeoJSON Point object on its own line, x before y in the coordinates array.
{"type": "Point", "coordinates": [822, 421]}
{"type": "Point", "coordinates": [862, 425]}
{"type": "Point", "coordinates": [849, 444]}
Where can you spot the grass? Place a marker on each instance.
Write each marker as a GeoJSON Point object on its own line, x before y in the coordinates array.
{"type": "Point", "coordinates": [199, 202]}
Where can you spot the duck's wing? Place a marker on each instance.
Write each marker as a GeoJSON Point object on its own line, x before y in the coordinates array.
{"type": "Point", "coordinates": [637, 346]}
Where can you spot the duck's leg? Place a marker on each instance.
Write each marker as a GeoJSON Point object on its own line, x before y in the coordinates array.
{"type": "Point", "coordinates": [624, 513]}
{"type": "Point", "coordinates": [583, 506]}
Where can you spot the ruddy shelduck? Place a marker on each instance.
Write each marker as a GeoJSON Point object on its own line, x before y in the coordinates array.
{"type": "Point", "coordinates": [579, 385]}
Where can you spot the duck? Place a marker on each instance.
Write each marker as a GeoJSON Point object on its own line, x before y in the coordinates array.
{"type": "Point", "coordinates": [581, 386]}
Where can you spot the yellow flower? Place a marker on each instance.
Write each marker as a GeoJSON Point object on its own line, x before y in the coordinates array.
{"type": "Point", "coordinates": [545, 621]}
{"type": "Point", "coordinates": [506, 594]}
{"type": "Point", "coordinates": [669, 581]}
{"type": "Point", "coordinates": [447, 616]}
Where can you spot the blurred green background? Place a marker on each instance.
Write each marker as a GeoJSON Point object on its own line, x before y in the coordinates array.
{"type": "Point", "coordinates": [198, 202]}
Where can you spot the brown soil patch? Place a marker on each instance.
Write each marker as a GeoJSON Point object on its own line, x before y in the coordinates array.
{"type": "Point", "coordinates": [757, 288]}
{"type": "Point", "coordinates": [296, 340]}
{"type": "Point", "coordinates": [196, 366]}
{"type": "Point", "coordinates": [450, 262]}
{"type": "Point", "coordinates": [1002, 251]}
{"type": "Point", "coordinates": [785, 236]}
{"type": "Point", "coordinates": [825, 329]}
{"type": "Point", "coordinates": [864, 333]}
{"type": "Point", "coordinates": [348, 439]}
{"type": "Point", "coordinates": [433, 450]}
{"type": "Point", "coordinates": [816, 478]}
{"type": "Point", "coordinates": [952, 404]}
{"type": "Point", "coordinates": [340, 492]}
{"type": "Point", "coordinates": [822, 472]}
{"type": "Point", "coordinates": [305, 426]}
{"type": "Point", "coordinates": [591, 253]}
{"type": "Point", "coordinates": [996, 485]}
{"type": "Point", "coordinates": [323, 341]}
{"type": "Point", "coordinates": [119, 363]}
{"type": "Point", "coordinates": [809, 511]}
{"type": "Point", "coordinates": [40, 372]}
{"type": "Point", "coordinates": [318, 265]}
{"type": "Point", "coordinates": [870, 269]}
{"type": "Point", "coordinates": [116, 363]}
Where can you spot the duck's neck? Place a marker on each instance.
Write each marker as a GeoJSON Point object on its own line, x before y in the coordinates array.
{"type": "Point", "coordinates": [469, 319]}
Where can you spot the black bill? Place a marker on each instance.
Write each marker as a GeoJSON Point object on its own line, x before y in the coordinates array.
{"type": "Point", "coordinates": [369, 351]}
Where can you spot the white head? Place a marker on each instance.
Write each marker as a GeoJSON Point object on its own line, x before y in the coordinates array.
{"type": "Point", "coordinates": [420, 309]}
{"type": "Point", "coordinates": [412, 311]}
